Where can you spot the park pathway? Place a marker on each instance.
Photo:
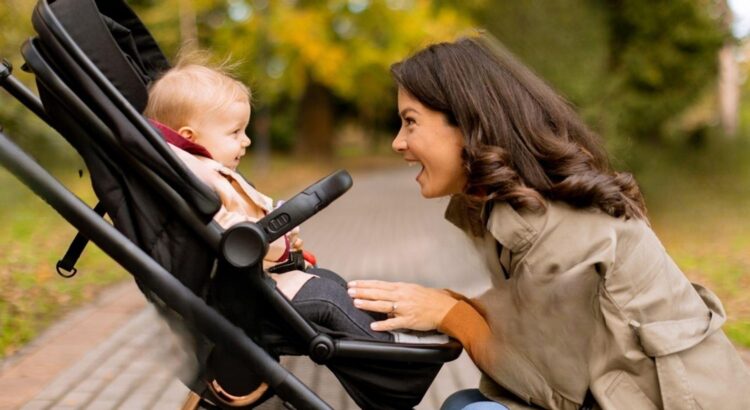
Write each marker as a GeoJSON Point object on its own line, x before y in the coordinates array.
{"type": "Point", "coordinates": [116, 354]}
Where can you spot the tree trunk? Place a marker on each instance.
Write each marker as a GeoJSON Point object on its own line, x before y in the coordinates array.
{"type": "Point", "coordinates": [315, 122]}
{"type": "Point", "coordinates": [729, 80]}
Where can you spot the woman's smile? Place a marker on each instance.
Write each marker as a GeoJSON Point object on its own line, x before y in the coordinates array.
{"type": "Point", "coordinates": [426, 139]}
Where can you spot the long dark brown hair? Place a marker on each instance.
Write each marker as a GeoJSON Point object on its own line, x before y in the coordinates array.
{"type": "Point", "coordinates": [523, 141]}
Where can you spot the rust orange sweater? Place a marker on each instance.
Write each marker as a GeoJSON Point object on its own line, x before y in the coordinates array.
{"type": "Point", "coordinates": [465, 322]}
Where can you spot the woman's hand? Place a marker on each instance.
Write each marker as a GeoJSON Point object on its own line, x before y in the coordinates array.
{"type": "Point", "coordinates": [408, 306]}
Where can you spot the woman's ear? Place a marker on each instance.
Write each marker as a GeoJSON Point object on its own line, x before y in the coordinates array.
{"type": "Point", "coordinates": [187, 133]}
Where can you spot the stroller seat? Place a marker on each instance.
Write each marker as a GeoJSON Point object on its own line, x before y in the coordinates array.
{"type": "Point", "coordinates": [93, 60]}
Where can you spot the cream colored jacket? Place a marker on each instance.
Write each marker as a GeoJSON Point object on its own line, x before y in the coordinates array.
{"type": "Point", "coordinates": [592, 301]}
{"type": "Point", "coordinates": [241, 202]}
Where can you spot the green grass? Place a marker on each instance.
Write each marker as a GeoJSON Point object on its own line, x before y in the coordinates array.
{"type": "Point", "coordinates": [34, 237]}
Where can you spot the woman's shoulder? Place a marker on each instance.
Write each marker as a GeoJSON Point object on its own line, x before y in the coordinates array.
{"type": "Point", "coordinates": [561, 229]}
{"type": "Point", "coordinates": [559, 215]}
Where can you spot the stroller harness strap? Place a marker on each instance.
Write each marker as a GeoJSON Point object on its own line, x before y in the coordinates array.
{"type": "Point", "coordinates": [66, 266]}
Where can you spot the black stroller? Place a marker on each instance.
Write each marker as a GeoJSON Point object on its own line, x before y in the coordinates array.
{"type": "Point", "coordinates": [92, 60]}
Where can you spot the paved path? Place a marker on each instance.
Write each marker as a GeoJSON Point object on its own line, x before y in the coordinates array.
{"type": "Point", "coordinates": [115, 353]}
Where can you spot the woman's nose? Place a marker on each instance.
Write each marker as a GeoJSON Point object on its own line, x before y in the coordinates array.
{"type": "Point", "coordinates": [399, 143]}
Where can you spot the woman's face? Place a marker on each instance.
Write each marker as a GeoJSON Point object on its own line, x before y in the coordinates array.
{"type": "Point", "coordinates": [428, 140]}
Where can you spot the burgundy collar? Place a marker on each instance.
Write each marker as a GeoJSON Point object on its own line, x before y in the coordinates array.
{"type": "Point", "coordinates": [172, 137]}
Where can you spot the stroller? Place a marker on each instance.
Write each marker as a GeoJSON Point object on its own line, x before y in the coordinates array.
{"type": "Point", "coordinates": [93, 60]}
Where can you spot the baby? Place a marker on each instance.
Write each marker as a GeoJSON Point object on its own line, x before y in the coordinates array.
{"type": "Point", "coordinates": [203, 112]}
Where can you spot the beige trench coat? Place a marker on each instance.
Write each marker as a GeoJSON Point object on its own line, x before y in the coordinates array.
{"type": "Point", "coordinates": [591, 301]}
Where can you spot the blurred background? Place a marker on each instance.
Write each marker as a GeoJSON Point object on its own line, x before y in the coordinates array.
{"type": "Point", "coordinates": [664, 83]}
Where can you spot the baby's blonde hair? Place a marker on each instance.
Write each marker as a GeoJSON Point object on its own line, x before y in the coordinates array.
{"type": "Point", "coordinates": [193, 87]}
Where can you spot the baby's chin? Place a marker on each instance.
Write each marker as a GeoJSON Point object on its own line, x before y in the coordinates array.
{"type": "Point", "coordinates": [231, 164]}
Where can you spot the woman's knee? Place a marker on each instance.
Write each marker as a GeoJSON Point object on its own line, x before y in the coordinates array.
{"type": "Point", "coordinates": [470, 399]}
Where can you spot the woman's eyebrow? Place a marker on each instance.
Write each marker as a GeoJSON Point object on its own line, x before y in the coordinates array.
{"type": "Point", "coordinates": [406, 111]}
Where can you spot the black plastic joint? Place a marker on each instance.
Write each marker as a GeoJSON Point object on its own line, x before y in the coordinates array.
{"type": "Point", "coordinates": [321, 348]}
{"type": "Point", "coordinates": [6, 69]}
{"type": "Point", "coordinates": [244, 245]}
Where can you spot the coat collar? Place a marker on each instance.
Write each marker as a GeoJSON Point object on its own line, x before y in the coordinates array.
{"type": "Point", "coordinates": [498, 218]}
{"type": "Point", "coordinates": [510, 228]}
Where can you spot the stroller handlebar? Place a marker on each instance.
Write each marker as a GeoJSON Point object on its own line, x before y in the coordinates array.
{"type": "Point", "coordinates": [246, 243]}
{"type": "Point", "coordinates": [305, 204]}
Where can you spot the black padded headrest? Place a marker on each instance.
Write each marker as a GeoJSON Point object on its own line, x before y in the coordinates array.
{"type": "Point", "coordinates": [113, 37]}
{"type": "Point", "coordinates": [103, 51]}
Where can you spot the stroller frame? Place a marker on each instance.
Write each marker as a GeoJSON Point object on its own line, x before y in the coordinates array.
{"type": "Point", "coordinates": [54, 57]}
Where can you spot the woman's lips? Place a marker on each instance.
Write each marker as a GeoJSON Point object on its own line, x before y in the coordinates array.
{"type": "Point", "coordinates": [421, 171]}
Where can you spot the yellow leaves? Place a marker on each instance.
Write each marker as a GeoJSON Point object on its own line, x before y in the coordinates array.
{"type": "Point", "coordinates": [306, 33]}
{"type": "Point", "coordinates": [337, 45]}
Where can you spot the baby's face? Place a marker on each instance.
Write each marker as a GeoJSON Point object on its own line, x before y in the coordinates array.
{"type": "Point", "coordinates": [222, 133]}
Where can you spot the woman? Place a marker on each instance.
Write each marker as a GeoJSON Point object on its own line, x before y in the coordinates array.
{"type": "Point", "coordinates": [585, 306]}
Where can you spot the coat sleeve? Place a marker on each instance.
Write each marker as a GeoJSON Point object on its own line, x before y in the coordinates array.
{"type": "Point", "coordinates": [677, 329]}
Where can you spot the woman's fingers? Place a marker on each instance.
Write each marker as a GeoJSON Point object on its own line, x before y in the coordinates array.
{"type": "Point", "coordinates": [373, 284]}
{"type": "Point", "coordinates": [379, 290]}
{"type": "Point", "coordinates": [372, 294]}
{"type": "Point", "coordinates": [410, 306]}
{"type": "Point", "coordinates": [388, 324]}
{"type": "Point", "coordinates": [380, 306]}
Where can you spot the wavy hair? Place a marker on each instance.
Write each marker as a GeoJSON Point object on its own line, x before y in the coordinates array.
{"type": "Point", "coordinates": [522, 141]}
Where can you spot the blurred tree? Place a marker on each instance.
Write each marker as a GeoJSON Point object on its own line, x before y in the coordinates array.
{"type": "Point", "coordinates": [663, 55]}
{"type": "Point", "coordinates": [630, 65]}
{"type": "Point", "coordinates": [310, 55]}
{"type": "Point", "coordinates": [19, 123]}
{"type": "Point", "coordinates": [564, 41]}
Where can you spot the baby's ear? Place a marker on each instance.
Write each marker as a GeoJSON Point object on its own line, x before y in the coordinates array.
{"type": "Point", "coordinates": [187, 133]}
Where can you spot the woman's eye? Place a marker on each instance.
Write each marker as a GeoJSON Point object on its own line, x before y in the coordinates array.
{"type": "Point", "coordinates": [409, 121]}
